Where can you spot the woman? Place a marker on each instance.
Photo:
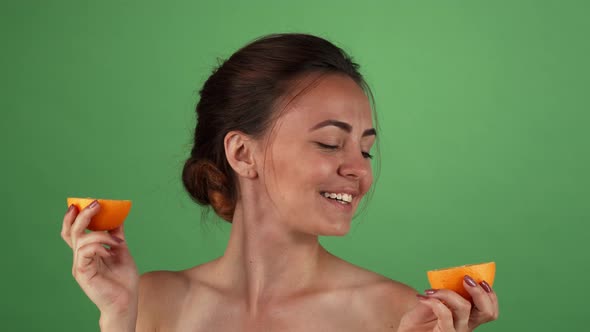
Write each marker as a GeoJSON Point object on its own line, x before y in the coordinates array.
{"type": "Point", "coordinates": [282, 151]}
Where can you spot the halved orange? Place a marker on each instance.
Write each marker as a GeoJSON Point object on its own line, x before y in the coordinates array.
{"type": "Point", "coordinates": [452, 278]}
{"type": "Point", "coordinates": [112, 212]}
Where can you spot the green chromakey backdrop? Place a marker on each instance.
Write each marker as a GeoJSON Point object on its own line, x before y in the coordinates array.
{"type": "Point", "coordinates": [483, 111]}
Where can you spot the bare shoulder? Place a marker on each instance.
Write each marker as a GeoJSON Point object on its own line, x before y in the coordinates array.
{"type": "Point", "coordinates": [164, 296]}
{"type": "Point", "coordinates": [383, 304]}
{"type": "Point", "coordinates": [379, 301]}
{"type": "Point", "coordinates": [160, 297]}
{"type": "Point", "coordinates": [389, 299]}
{"type": "Point", "coordinates": [163, 285]}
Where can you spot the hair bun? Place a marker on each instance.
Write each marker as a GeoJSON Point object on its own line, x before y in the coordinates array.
{"type": "Point", "coordinates": [207, 185]}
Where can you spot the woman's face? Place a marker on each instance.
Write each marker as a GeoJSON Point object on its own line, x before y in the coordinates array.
{"type": "Point", "coordinates": [318, 165]}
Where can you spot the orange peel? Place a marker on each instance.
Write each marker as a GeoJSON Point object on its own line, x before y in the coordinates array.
{"type": "Point", "coordinates": [452, 277]}
{"type": "Point", "coordinates": [112, 212]}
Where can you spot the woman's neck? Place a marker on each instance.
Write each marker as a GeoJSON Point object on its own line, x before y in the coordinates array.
{"type": "Point", "coordinates": [265, 262]}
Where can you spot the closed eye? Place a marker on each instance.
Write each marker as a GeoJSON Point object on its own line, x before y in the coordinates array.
{"type": "Point", "coordinates": [327, 146]}
{"type": "Point", "coordinates": [366, 155]}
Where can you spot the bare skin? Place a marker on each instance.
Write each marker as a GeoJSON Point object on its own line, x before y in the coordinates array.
{"type": "Point", "coordinates": [193, 300]}
{"type": "Point", "coordinates": [274, 274]}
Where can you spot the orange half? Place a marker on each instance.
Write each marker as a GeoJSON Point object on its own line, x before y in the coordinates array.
{"type": "Point", "coordinates": [112, 212]}
{"type": "Point", "coordinates": [452, 278]}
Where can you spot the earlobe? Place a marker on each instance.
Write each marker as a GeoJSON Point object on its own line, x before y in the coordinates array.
{"type": "Point", "coordinates": [239, 150]}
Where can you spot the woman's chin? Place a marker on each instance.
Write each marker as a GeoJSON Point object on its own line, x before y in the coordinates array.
{"type": "Point", "coordinates": [339, 228]}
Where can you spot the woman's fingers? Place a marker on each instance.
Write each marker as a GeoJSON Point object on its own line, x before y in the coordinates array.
{"type": "Point", "coordinates": [82, 221]}
{"type": "Point", "coordinates": [485, 308]}
{"type": "Point", "coordinates": [87, 247]}
{"type": "Point", "coordinates": [66, 226]}
{"type": "Point", "coordinates": [85, 259]}
{"type": "Point", "coordinates": [441, 311]}
{"type": "Point", "coordinates": [458, 306]}
{"type": "Point", "coordinates": [493, 298]}
{"type": "Point", "coordinates": [97, 237]}
{"type": "Point", "coordinates": [468, 315]}
{"type": "Point", "coordinates": [480, 297]}
{"type": "Point", "coordinates": [118, 232]}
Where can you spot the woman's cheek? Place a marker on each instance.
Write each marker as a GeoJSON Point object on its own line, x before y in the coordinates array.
{"type": "Point", "coordinates": [366, 183]}
{"type": "Point", "coordinates": [323, 167]}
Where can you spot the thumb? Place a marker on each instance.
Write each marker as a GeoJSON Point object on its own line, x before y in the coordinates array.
{"type": "Point", "coordinates": [118, 232]}
{"type": "Point", "coordinates": [122, 250]}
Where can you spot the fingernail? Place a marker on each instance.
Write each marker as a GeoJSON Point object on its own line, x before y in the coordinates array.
{"type": "Point", "coordinates": [422, 297]}
{"type": "Point", "coordinates": [430, 291]}
{"type": "Point", "coordinates": [118, 239]}
{"type": "Point", "coordinates": [70, 208]}
{"type": "Point", "coordinates": [93, 204]}
{"type": "Point", "coordinates": [470, 281]}
{"type": "Point", "coordinates": [486, 286]}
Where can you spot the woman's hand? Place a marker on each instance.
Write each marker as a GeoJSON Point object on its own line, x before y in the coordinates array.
{"type": "Point", "coordinates": [446, 311]}
{"type": "Point", "coordinates": [108, 276]}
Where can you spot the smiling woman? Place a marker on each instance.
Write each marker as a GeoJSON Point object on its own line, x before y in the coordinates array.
{"type": "Point", "coordinates": [282, 150]}
{"type": "Point", "coordinates": [320, 145]}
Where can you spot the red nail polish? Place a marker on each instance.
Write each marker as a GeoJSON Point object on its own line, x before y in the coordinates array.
{"type": "Point", "coordinates": [430, 291]}
{"type": "Point", "coordinates": [486, 286]}
{"type": "Point", "coordinates": [118, 239]}
{"type": "Point", "coordinates": [70, 208]}
{"type": "Point", "coordinates": [470, 281]}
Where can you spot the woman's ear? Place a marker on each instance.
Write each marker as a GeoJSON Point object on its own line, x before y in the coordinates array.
{"type": "Point", "coordinates": [239, 151]}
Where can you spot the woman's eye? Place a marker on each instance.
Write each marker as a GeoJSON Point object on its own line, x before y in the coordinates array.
{"type": "Point", "coordinates": [367, 155]}
{"type": "Point", "coordinates": [327, 146]}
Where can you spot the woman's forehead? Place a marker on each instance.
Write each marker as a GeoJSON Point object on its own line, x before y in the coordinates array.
{"type": "Point", "coordinates": [334, 97]}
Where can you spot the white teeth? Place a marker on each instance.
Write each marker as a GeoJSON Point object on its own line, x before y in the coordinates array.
{"type": "Point", "coordinates": [342, 198]}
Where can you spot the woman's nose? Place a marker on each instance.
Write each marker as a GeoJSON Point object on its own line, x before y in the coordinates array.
{"type": "Point", "coordinates": [354, 165]}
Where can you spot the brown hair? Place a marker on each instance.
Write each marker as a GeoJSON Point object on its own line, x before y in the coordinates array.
{"type": "Point", "coordinates": [241, 94]}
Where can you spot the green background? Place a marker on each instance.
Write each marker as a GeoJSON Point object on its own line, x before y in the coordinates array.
{"type": "Point", "coordinates": [483, 109]}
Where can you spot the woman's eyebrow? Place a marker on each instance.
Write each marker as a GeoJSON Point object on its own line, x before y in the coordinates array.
{"type": "Point", "coordinates": [342, 125]}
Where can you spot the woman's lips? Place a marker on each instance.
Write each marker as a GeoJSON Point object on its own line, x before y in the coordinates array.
{"type": "Point", "coordinates": [346, 207]}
